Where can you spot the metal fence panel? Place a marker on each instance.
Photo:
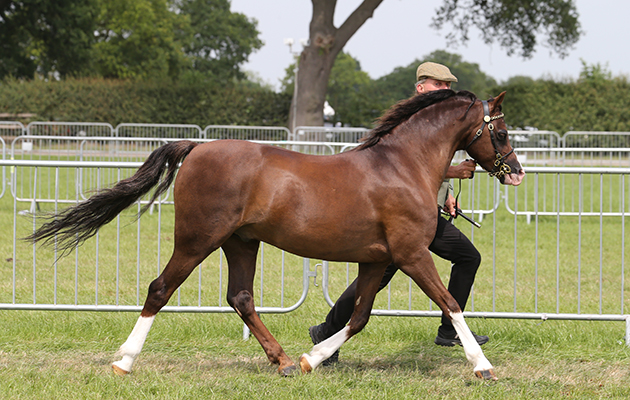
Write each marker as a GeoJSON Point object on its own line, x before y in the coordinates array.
{"type": "Point", "coordinates": [570, 191]}
{"type": "Point", "coordinates": [83, 129]}
{"type": "Point", "coordinates": [73, 148]}
{"type": "Point", "coordinates": [3, 189]}
{"type": "Point", "coordinates": [557, 247]}
{"type": "Point", "coordinates": [329, 134]}
{"type": "Point", "coordinates": [161, 131]}
{"type": "Point", "coordinates": [8, 129]}
{"type": "Point", "coordinates": [267, 133]}
{"type": "Point", "coordinates": [46, 140]}
{"type": "Point", "coordinates": [597, 149]}
{"type": "Point", "coordinates": [536, 265]}
{"type": "Point", "coordinates": [112, 271]}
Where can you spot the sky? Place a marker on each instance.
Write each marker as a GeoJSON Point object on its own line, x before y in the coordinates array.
{"type": "Point", "coordinates": [399, 32]}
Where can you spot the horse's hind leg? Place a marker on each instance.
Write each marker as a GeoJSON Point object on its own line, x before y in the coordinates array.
{"type": "Point", "coordinates": [241, 257]}
{"type": "Point", "coordinates": [184, 260]}
{"type": "Point", "coordinates": [370, 276]}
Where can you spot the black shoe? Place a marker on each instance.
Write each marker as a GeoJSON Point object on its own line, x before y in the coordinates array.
{"type": "Point", "coordinates": [451, 339]}
{"type": "Point", "coordinates": [317, 336]}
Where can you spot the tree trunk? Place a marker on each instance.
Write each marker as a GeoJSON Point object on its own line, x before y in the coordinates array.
{"type": "Point", "coordinates": [318, 57]}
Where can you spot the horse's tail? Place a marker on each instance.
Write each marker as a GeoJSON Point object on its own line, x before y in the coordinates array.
{"type": "Point", "coordinates": [76, 224]}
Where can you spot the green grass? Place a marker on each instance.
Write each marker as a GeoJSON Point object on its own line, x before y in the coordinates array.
{"type": "Point", "coordinates": [61, 355]}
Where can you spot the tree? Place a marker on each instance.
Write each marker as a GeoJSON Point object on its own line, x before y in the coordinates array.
{"type": "Point", "coordinates": [350, 93]}
{"type": "Point", "coordinates": [124, 39]}
{"type": "Point", "coordinates": [46, 37]}
{"type": "Point", "coordinates": [513, 23]}
{"type": "Point", "coordinates": [594, 73]}
{"type": "Point", "coordinates": [137, 39]}
{"type": "Point", "coordinates": [218, 41]}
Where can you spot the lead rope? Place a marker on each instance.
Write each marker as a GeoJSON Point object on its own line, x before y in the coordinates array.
{"type": "Point", "coordinates": [459, 191]}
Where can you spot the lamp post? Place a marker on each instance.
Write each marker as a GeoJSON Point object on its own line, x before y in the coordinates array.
{"type": "Point", "coordinates": [289, 42]}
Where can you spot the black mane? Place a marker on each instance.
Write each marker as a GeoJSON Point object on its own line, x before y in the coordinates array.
{"type": "Point", "coordinates": [404, 109]}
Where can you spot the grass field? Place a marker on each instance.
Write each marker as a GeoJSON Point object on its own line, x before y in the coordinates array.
{"type": "Point", "coordinates": [59, 355]}
{"type": "Point", "coordinates": [64, 355]}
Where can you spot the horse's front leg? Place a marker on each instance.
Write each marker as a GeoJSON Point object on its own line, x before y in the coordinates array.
{"type": "Point", "coordinates": [241, 258]}
{"type": "Point", "coordinates": [368, 281]}
{"type": "Point", "coordinates": [421, 269]}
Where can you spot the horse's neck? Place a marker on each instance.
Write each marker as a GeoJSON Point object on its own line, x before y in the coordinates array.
{"type": "Point", "coordinates": [431, 145]}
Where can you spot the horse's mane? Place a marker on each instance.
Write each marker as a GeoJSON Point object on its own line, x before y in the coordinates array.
{"type": "Point", "coordinates": [404, 109]}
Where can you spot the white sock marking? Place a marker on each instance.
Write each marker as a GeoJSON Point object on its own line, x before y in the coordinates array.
{"type": "Point", "coordinates": [133, 346]}
{"type": "Point", "coordinates": [473, 351]}
{"type": "Point", "coordinates": [325, 349]}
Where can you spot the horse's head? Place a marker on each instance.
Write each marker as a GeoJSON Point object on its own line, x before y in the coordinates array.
{"type": "Point", "coordinates": [490, 144]}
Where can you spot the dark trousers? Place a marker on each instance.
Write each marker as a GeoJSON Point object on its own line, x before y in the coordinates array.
{"type": "Point", "coordinates": [450, 244]}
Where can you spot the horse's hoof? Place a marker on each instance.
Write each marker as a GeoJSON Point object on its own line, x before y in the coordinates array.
{"type": "Point", "coordinates": [288, 371]}
{"type": "Point", "coordinates": [305, 366]}
{"type": "Point", "coordinates": [487, 375]}
{"type": "Point", "coordinates": [119, 371]}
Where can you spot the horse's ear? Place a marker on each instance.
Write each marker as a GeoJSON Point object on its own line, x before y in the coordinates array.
{"type": "Point", "coordinates": [498, 100]}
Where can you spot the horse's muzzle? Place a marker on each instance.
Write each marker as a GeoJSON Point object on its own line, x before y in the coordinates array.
{"type": "Point", "coordinates": [514, 178]}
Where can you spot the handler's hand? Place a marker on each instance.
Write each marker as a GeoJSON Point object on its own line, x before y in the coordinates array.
{"type": "Point", "coordinates": [450, 206]}
{"type": "Point", "coordinates": [465, 170]}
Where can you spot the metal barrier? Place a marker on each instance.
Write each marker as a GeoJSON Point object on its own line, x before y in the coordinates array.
{"type": "Point", "coordinates": [4, 169]}
{"type": "Point", "coordinates": [568, 264]}
{"type": "Point", "coordinates": [266, 133]}
{"type": "Point", "coordinates": [571, 191]}
{"type": "Point", "coordinates": [162, 131]}
{"type": "Point", "coordinates": [564, 265]}
{"type": "Point", "coordinates": [11, 128]}
{"type": "Point", "coordinates": [75, 148]}
{"type": "Point", "coordinates": [8, 129]}
{"type": "Point", "coordinates": [105, 149]}
{"type": "Point", "coordinates": [597, 149]}
{"type": "Point", "coordinates": [537, 263]}
{"type": "Point", "coordinates": [533, 147]}
{"type": "Point", "coordinates": [328, 134]}
{"type": "Point", "coordinates": [110, 272]}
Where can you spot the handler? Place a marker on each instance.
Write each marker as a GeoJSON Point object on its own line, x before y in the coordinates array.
{"type": "Point", "coordinates": [449, 242]}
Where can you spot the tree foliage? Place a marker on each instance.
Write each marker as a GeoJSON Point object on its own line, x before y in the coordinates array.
{"type": "Point", "coordinates": [217, 40]}
{"type": "Point", "coordinates": [46, 36]}
{"type": "Point", "coordinates": [137, 39]}
{"type": "Point", "coordinates": [399, 84]}
{"type": "Point", "coordinates": [124, 39]}
{"type": "Point", "coordinates": [514, 24]}
{"type": "Point", "coordinates": [350, 93]}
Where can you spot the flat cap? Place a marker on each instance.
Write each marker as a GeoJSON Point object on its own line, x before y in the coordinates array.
{"type": "Point", "coordinates": [435, 71]}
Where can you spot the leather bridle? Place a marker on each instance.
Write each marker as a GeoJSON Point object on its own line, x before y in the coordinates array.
{"type": "Point", "coordinates": [500, 167]}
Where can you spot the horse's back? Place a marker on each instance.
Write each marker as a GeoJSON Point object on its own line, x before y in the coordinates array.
{"type": "Point", "coordinates": [292, 200]}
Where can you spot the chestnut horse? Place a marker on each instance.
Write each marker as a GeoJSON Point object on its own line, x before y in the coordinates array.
{"type": "Point", "coordinates": [372, 205]}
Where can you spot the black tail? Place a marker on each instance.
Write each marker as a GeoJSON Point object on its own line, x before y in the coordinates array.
{"type": "Point", "coordinates": [76, 224]}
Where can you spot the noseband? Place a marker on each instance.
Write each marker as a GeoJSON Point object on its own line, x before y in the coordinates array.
{"type": "Point", "coordinates": [500, 167]}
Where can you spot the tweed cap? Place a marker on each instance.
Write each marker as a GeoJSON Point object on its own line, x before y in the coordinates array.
{"type": "Point", "coordinates": [435, 71]}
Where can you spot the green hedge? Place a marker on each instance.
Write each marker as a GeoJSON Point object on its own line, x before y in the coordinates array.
{"type": "Point", "coordinates": [583, 105]}
{"type": "Point", "coordinates": [119, 101]}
